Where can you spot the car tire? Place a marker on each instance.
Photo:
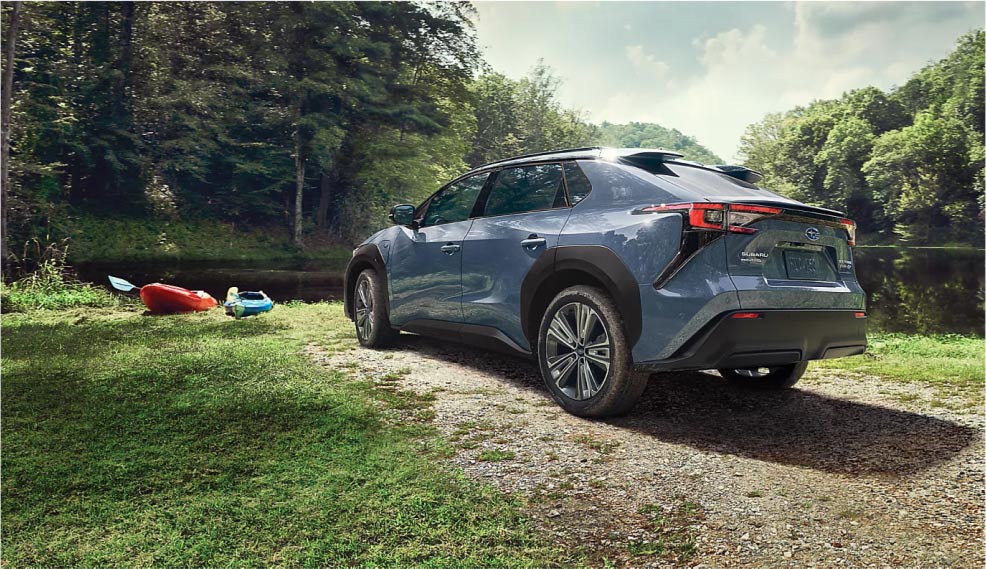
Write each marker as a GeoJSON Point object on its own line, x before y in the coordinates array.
{"type": "Point", "coordinates": [373, 328]}
{"type": "Point", "coordinates": [780, 377]}
{"type": "Point", "coordinates": [579, 389]}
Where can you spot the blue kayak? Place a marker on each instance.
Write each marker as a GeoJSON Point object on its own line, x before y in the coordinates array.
{"type": "Point", "coordinates": [240, 304]}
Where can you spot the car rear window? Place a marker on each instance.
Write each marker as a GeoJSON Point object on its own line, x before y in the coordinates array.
{"type": "Point", "coordinates": [697, 180]}
{"type": "Point", "coordinates": [622, 184]}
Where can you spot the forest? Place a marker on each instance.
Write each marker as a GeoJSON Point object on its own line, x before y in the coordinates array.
{"type": "Point", "coordinates": [906, 165]}
{"type": "Point", "coordinates": [309, 120]}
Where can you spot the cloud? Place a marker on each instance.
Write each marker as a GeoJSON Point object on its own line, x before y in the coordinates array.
{"type": "Point", "coordinates": [720, 66]}
{"type": "Point", "coordinates": [740, 77]}
{"type": "Point", "coordinates": [645, 62]}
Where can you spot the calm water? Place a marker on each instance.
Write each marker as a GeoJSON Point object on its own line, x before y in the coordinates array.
{"type": "Point", "coordinates": [910, 290]}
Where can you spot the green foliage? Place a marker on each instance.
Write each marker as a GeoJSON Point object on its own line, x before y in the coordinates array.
{"type": "Point", "coordinates": [905, 165]}
{"type": "Point", "coordinates": [213, 110]}
{"type": "Point", "coordinates": [110, 239]}
{"type": "Point", "coordinates": [50, 288]}
{"type": "Point", "coordinates": [649, 135]}
{"type": "Point", "coordinates": [520, 117]}
{"type": "Point", "coordinates": [200, 440]}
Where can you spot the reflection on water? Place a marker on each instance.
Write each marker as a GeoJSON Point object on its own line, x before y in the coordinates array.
{"type": "Point", "coordinates": [929, 291]}
{"type": "Point", "coordinates": [909, 290]}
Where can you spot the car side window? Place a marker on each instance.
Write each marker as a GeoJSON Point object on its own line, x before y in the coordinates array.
{"type": "Point", "coordinates": [455, 202]}
{"type": "Point", "coordinates": [527, 188]}
{"type": "Point", "coordinates": [578, 185]}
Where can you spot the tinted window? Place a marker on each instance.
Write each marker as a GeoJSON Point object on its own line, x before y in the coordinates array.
{"type": "Point", "coordinates": [528, 188]}
{"type": "Point", "coordinates": [702, 182]}
{"type": "Point", "coordinates": [455, 202]}
{"type": "Point", "coordinates": [578, 184]}
{"type": "Point", "coordinates": [709, 182]}
{"type": "Point", "coordinates": [622, 184]}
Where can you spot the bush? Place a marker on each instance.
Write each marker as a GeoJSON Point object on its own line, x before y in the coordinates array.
{"type": "Point", "coordinates": [51, 287]}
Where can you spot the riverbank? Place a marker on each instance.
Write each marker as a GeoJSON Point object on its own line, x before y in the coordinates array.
{"type": "Point", "coordinates": [208, 441]}
{"type": "Point", "coordinates": [120, 239]}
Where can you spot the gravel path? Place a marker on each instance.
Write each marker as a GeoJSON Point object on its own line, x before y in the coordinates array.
{"type": "Point", "coordinates": [842, 471]}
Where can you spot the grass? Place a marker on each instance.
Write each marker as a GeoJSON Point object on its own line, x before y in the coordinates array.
{"type": "Point", "coordinates": [203, 441]}
{"type": "Point", "coordinates": [950, 362]}
{"type": "Point", "coordinates": [496, 455]}
{"type": "Point", "coordinates": [673, 525]}
{"type": "Point", "coordinates": [49, 289]}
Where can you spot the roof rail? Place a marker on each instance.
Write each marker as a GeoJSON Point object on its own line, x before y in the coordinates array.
{"type": "Point", "coordinates": [544, 153]}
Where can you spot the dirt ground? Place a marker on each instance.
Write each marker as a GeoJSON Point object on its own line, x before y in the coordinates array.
{"type": "Point", "coordinates": [841, 471]}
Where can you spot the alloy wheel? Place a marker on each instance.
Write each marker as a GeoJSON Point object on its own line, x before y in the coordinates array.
{"type": "Point", "coordinates": [578, 351]}
{"type": "Point", "coordinates": [364, 309]}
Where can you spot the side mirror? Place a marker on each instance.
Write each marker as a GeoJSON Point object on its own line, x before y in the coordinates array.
{"type": "Point", "coordinates": [402, 214]}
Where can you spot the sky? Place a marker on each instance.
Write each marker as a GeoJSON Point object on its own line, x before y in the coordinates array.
{"type": "Point", "coordinates": [709, 69]}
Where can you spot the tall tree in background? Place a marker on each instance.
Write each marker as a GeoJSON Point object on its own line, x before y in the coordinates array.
{"type": "Point", "coordinates": [908, 164]}
{"type": "Point", "coordinates": [516, 117]}
{"type": "Point", "coordinates": [9, 47]}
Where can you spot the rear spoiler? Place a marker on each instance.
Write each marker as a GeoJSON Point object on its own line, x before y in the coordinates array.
{"type": "Point", "coordinates": [741, 173]}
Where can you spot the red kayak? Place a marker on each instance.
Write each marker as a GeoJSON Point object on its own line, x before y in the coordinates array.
{"type": "Point", "coordinates": [166, 299]}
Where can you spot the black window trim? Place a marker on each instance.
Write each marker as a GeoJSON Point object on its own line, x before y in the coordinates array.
{"type": "Point", "coordinates": [493, 171]}
{"type": "Point", "coordinates": [568, 195]}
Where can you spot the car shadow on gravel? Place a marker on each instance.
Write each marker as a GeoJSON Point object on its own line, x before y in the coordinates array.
{"type": "Point", "coordinates": [793, 427]}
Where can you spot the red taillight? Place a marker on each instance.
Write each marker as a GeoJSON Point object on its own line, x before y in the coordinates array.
{"type": "Point", "coordinates": [701, 215]}
{"type": "Point", "coordinates": [747, 315]}
{"type": "Point", "coordinates": [850, 226]}
{"type": "Point", "coordinates": [860, 315]}
{"type": "Point", "coordinates": [742, 216]}
{"type": "Point", "coordinates": [707, 215]}
{"type": "Point", "coordinates": [755, 209]}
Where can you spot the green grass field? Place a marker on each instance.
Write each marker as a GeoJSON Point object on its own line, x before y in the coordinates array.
{"type": "Point", "coordinates": [199, 440]}
{"type": "Point", "coordinates": [951, 363]}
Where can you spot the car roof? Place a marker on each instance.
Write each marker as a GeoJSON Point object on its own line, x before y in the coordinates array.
{"type": "Point", "coordinates": [584, 153]}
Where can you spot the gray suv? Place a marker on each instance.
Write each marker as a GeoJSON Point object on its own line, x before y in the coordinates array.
{"type": "Point", "coordinates": [608, 264]}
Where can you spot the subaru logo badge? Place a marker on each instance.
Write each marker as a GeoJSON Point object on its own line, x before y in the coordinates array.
{"type": "Point", "coordinates": [812, 234]}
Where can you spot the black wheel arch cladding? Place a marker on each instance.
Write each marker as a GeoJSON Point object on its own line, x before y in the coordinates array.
{"type": "Point", "coordinates": [365, 257]}
{"type": "Point", "coordinates": [596, 261]}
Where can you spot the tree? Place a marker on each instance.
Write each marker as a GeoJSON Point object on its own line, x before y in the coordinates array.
{"type": "Point", "coordinates": [9, 49]}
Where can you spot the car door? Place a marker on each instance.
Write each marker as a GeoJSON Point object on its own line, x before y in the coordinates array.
{"type": "Point", "coordinates": [524, 211]}
{"type": "Point", "coordinates": [425, 263]}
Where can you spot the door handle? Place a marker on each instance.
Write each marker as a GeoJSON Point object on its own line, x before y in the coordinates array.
{"type": "Point", "coordinates": [450, 248]}
{"type": "Point", "coordinates": [533, 242]}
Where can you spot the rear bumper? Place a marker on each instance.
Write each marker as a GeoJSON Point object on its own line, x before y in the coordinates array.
{"type": "Point", "coordinates": [778, 337]}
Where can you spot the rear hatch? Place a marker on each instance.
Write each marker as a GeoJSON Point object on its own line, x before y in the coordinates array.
{"type": "Point", "coordinates": [780, 253]}
{"type": "Point", "coordinates": [784, 256]}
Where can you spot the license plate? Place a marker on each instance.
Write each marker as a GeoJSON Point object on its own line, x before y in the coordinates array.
{"type": "Point", "coordinates": [805, 265]}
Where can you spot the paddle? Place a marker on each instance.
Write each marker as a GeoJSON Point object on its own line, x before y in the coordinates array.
{"type": "Point", "coordinates": [120, 284]}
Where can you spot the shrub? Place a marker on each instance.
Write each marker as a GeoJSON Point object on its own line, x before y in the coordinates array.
{"type": "Point", "coordinates": [51, 286]}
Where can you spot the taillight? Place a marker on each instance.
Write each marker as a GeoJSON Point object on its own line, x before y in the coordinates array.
{"type": "Point", "coordinates": [701, 215]}
{"type": "Point", "coordinates": [860, 315]}
{"type": "Point", "coordinates": [850, 226]}
{"type": "Point", "coordinates": [741, 216]}
{"type": "Point", "coordinates": [713, 216]}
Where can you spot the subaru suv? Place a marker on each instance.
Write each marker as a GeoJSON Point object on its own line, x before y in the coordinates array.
{"type": "Point", "coordinates": [607, 264]}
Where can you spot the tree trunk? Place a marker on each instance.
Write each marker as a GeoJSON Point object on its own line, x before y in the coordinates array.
{"type": "Point", "coordinates": [8, 86]}
{"type": "Point", "coordinates": [299, 168]}
{"type": "Point", "coordinates": [126, 57]}
{"type": "Point", "coordinates": [325, 195]}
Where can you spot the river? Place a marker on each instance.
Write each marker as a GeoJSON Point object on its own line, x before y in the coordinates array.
{"type": "Point", "coordinates": [916, 290]}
